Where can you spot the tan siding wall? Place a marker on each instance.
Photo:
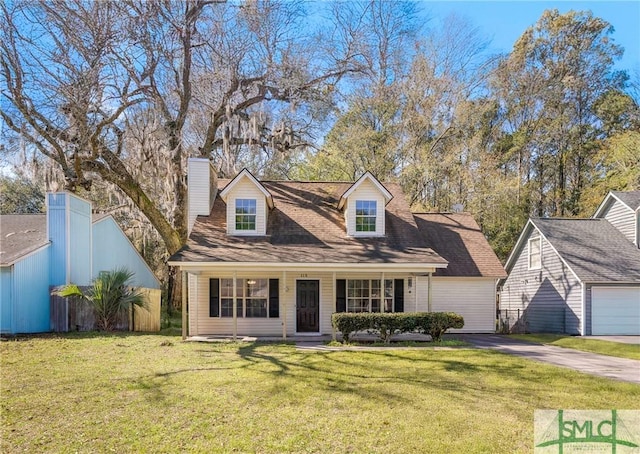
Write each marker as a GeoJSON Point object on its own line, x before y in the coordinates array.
{"type": "Point", "coordinates": [246, 189]}
{"type": "Point", "coordinates": [473, 298]}
{"type": "Point", "coordinates": [201, 324]}
{"type": "Point", "coordinates": [365, 191]}
{"type": "Point", "coordinates": [549, 299]}
{"type": "Point", "coordinates": [623, 219]}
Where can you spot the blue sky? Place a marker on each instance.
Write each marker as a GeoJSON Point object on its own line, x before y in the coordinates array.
{"type": "Point", "coordinates": [505, 21]}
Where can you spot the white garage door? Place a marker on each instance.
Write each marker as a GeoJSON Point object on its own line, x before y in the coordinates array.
{"type": "Point", "coordinates": [615, 310]}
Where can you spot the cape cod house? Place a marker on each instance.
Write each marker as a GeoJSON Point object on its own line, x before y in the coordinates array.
{"type": "Point", "coordinates": [577, 276]}
{"type": "Point", "coordinates": [277, 258]}
{"type": "Point", "coordinates": [66, 245]}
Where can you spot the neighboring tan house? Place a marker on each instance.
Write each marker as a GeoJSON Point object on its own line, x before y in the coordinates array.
{"type": "Point", "coordinates": [577, 276]}
{"type": "Point", "coordinates": [66, 245]}
{"type": "Point", "coordinates": [277, 258]}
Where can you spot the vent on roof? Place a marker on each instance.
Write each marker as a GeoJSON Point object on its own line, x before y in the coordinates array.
{"type": "Point", "coordinates": [457, 208]}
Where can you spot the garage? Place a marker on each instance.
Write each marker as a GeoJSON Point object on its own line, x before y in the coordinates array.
{"type": "Point", "coordinates": [615, 310]}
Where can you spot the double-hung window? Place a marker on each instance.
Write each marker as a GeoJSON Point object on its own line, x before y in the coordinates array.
{"type": "Point", "coordinates": [251, 295]}
{"type": "Point", "coordinates": [366, 212]}
{"type": "Point", "coordinates": [246, 215]}
{"type": "Point", "coordinates": [364, 295]}
{"type": "Point", "coordinates": [535, 253]}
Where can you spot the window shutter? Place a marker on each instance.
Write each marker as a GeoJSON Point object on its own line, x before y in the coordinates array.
{"type": "Point", "coordinates": [214, 297]}
{"type": "Point", "coordinates": [341, 295]}
{"type": "Point", "coordinates": [398, 295]}
{"type": "Point", "coordinates": [274, 298]}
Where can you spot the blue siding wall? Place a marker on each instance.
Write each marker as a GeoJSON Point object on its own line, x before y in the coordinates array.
{"type": "Point", "coordinates": [57, 222]}
{"type": "Point", "coordinates": [80, 240]}
{"type": "Point", "coordinates": [112, 249]}
{"type": "Point", "coordinates": [69, 225]}
{"type": "Point", "coordinates": [6, 303]}
{"type": "Point", "coordinates": [31, 293]}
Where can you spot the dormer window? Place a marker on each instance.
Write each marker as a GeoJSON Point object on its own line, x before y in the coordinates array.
{"type": "Point", "coordinates": [248, 204]}
{"type": "Point", "coordinates": [246, 215]}
{"type": "Point", "coordinates": [366, 212]}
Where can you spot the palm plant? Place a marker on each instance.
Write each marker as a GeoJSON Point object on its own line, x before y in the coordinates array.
{"type": "Point", "coordinates": [109, 295]}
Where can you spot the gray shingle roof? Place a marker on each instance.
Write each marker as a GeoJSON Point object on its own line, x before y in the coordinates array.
{"type": "Point", "coordinates": [458, 238]}
{"type": "Point", "coordinates": [629, 198]}
{"type": "Point", "coordinates": [21, 234]}
{"type": "Point", "coordinates": [594, 249]}
{"type": "Point", "coordinates": [306, 227]}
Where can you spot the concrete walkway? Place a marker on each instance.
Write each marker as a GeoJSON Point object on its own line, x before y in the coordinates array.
{"type": "Point", "coordinates": [622, 369]}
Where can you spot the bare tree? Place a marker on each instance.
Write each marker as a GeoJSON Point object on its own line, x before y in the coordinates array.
{"type": "Point", "coordinates": [124, 92]}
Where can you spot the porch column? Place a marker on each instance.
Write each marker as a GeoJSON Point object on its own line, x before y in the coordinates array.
{"type": "Point", "coordinates": [333, 302]}
{"type": "Point", "coordinates": [382, 293]}
{"type": "Point", "coordinates": [283, 298]}
{"type": "Point", "coordinates": [184, 304]}
{"type": "Point", "coordinates": [415, 292]}
{"type": "Point", "coordinates": [235, 308]}
{"type": "Point", "coordinates": [429, 291]}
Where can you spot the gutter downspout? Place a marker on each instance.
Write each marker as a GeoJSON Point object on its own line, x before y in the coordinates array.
{"type": "Point", "coordinates": [284, 305]}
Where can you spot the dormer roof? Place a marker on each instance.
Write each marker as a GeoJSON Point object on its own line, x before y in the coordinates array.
{"type": "Point", "coordinates": [629, 199]}
{"type": "Point", "coordinates": [367, 176]}
{"type": "Point", "coordinates": [246, 174]}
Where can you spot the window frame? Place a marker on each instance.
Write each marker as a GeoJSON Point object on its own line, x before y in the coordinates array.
{"type": "Point", "coordinates": [530, 254]}
{"type": "Point", "coordinates": [243, 298]}
{"type": "Point", "coordinates": [363, 214]}
{"type": "Point", "coordinates": [244, 217]}
{"type": "Point", "coordinates": [385, 297]}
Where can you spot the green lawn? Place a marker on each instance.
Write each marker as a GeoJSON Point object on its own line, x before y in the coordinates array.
{"type": "Point", "coordinates": [145, 393]}
{"type": "Point", "coordinates": [602, 347]}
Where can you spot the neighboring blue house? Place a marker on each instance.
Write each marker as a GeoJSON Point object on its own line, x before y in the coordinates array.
{"type": "Point", "coordinates": [64, 246]}
{"type": "Point", "coordinates": [577, 276]}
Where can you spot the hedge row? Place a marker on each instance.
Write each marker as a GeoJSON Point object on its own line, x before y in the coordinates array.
{"type": "Point", "coordinates": [386, 324]}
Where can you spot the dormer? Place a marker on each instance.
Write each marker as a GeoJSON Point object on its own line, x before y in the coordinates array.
{"type": "Point", "coordinates": [364, 207]}
{"type": "Point", "coordinates": [620, 208]}
{"type": "Point", "coordinates": [248, 203]}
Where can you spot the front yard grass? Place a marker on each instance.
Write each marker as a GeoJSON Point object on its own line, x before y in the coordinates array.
{"type": "Point", "coordinates": [602, 347]}
{"type": "Point", "coordinates": [146, 393]}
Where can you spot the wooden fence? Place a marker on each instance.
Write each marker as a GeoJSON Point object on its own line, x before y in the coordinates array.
{"type": "Point", "coordinates": [72, 314]}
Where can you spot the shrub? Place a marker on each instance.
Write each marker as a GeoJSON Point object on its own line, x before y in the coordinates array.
{"type": "Point", "coordinates": [386, 324]}
{"type": "Point", "coordinates": [109, 295]}
{"type": "Point", "coordinates": [437, 323]}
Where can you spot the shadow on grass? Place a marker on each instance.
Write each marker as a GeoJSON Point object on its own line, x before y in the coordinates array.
{"type": "Point", "coordinates": [378, 376]}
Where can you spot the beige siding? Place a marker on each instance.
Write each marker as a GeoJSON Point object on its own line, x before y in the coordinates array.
{"type": "Point", "coordinates": [201, 324]}
{"type": "Point", "coordinates": [365, 191]}
{"type": "Point", "coordinates": [549, 299]}
{"type": "Point", "coordinates": [201, 189]}
{"type": "Point", "coordinates": [623, 219]}
{"type": "Point", "coordinates": [473, 298]}
{"type": "Point", "coordinates": [246, 189]}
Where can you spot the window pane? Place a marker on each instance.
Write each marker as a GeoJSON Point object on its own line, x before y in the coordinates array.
{"type": "Point", "coordinates": [226, 309]}
{"type": "Point", "coordinates": [257, 288]}
{"type": "Point", "coordinates": [375, 305]}
{"type": "Point", "coordinates": [245, 214]}
{"type": "Point", "coordinates": [256, 307]}
{"type": "Point", "coordinates": [226, 288]}
{"type": "Point", "coordinates": [366, 211]}
{"type": "Point", "coordinates": [535, 255]}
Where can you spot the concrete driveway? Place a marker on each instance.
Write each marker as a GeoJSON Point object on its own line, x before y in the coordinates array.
{"type": "Point", "coordinates": [604, 366]}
